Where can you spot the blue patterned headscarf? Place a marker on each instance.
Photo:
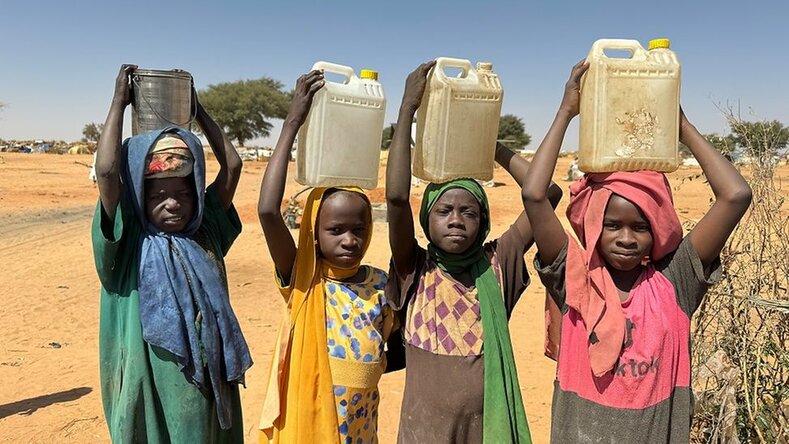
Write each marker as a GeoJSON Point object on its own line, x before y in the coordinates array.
{"type": "Point", "coordinates": [178, 279]}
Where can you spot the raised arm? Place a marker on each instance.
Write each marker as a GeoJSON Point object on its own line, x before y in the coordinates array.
{"type": "Point", "coordinates": [732, 194]}
{"type": "Point", "coordinates": [398, 175]}
{"type": "Point", "coordinates": [549, 233]}
{"type": "Point", "coordinates": [108, 151]}
{"type": "Point", "coordinates": [517, 167]}
{"type": "Point", "coordinates": [272, 188]}
{"type": "Point", "coordinates": [227, 156]}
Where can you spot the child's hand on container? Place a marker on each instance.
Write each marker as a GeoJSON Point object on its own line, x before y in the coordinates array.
{"type": "Point", "coordinates": [571, 102]}
{"type": "Point", "coordinates": [415, 86]}
{"type": "Point", "coordinates": [306, 87]}
{"type": "Point", "coordinates": [122, 95]}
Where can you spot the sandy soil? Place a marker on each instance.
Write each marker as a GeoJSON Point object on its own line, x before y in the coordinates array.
{"type": "Point", "coordinates": [49, 382]}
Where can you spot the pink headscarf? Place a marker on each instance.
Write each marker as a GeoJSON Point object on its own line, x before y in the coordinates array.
{"type": "Point", "coordinates": [590, 288]}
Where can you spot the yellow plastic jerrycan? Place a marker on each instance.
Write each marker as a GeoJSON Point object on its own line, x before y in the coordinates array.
{"type": "Point", "coordinates": [630, 108]}
{"type": "Point", "coordinates": [340, 141]}
{"type": "Point", "coordinates": [458, 122]}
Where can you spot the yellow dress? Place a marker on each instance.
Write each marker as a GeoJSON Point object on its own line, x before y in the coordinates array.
{"type": "Point", "coordinates": [355, 317]}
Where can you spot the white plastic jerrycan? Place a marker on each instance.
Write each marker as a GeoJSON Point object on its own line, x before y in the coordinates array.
{"type": "Point", "coordinates": [458, 122]}
{"type": "Point", "coordinates": [340, 142]}
{"type": "Point", "coordinates": [630, 108]}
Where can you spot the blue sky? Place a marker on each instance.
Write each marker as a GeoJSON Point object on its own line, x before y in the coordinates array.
{"type": "Point", "coordinates": [58, 59]}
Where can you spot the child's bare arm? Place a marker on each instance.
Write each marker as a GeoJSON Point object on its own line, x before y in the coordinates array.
{"type": "Point", "coordinates": [732, 194]}
{"type": "Point", "coordinates": [272, 188]}
{"type": "Point", "coordinates": [229, 162]}
{"type": "Point", "coordinates": [398, 175]}
{"type": "Point", "coordinates": [549, 233]}
{"type": "Point", "coordinates": [517, 167]}
{"type": "Point", "coordinates": [108, 151]}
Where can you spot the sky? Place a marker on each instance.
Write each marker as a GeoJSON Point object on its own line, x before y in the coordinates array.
{"type": "Point", "coordinates": [58, 60]}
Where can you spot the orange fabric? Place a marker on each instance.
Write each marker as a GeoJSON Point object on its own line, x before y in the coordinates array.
{"type": "Point", "coordinates": [589, 287]}
{"type": "Point", "coordinates": [553, 327]}
{"type": "Point", "coordinates": [300, 366]}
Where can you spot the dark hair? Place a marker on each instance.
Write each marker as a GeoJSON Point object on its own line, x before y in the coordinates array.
{"type": "Point", "coordinates": [334, 191]}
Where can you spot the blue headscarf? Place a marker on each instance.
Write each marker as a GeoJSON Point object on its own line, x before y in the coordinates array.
{"type": "Point", "coordinates": [177, 279]}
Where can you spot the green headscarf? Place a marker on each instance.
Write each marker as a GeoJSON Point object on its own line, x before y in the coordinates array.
{"type": "Point", "coordinates": [503, 417]}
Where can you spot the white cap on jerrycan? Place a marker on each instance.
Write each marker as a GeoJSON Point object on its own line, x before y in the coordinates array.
{"type": "Point", "coordinates": [340, 141]}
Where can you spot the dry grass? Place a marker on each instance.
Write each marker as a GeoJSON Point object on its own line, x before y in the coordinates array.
{"type": "Point", "coordinates": [741, 332]}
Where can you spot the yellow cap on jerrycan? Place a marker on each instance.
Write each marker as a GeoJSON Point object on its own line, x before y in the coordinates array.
{"type": "Point", "coordinates": [659, 43]}
{"type": "Point", "coordinates": [328, 154]}
{"type": "Point", "coordinates": [368, 74]}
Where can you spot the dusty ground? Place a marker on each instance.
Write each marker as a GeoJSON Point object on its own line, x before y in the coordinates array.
{"type": "Point", "coordinates": [49, 382]}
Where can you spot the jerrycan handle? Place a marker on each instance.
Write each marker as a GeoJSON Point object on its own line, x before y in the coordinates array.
{"type": "Point", "coordinates": [347, 71]}
{"type": "Point", "coordinates": [447, 62]}
{"type": "Point", "coordinates": [599, 47]}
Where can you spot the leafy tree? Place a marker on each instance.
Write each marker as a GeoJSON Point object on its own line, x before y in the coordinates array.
{"type": "Point", "coordinates": [92, 132]}
{"type": "Point", "coordinates": [386, 137]}
{"type": "Point", "coordinates": [244, 108]}
{"type": "Point", "coordinates": [388, 132]}
{"type": "Point", "coordinates": [512, 133]}
{"type": "Point", "coordinates": [761, 140]}
{"type": "Point", "coordinates": [725, 144]}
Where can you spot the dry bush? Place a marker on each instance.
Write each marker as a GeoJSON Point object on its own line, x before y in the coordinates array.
{"type": "Point", "coordinates": [741, 331]}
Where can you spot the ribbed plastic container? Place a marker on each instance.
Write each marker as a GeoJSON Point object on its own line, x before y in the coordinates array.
{"type": "Point", "coordinates": [458, 123]}
{"type": "Point", "coordinates": [630, 108]}
{"type": "Point", "coordinates": [340, 142]}
{"type": "Point", "coordinates": [161, 99]}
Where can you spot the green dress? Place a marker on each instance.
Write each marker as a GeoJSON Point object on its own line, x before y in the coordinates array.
{"type": "Point", "coordinates": [146, 397]}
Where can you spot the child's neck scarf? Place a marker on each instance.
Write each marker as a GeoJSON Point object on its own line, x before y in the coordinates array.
{"type": "Point", "coordinates": [589, 287]}
{"type": "Point", "coordinates": [504, 418]}
{"type": "Point", "coordinates": [300, 368]}
{"type": "Point", "coordinates": [177, 279]}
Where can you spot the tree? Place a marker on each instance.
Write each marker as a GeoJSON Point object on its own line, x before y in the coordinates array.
{"type": "Point", "coordinates": [244, 108]}
{"type": "Point", "coordinates": [725, 144]}
{"type": "Point", "coordinates": [386, 136]}
{"type": "Point", "coordinates": [761, 140]}
{"type": "Point", "coordinates": [388, 132]}
{"type": "Point", "coordinates": [512, 133]}
{"type": "Point", "coordinates": [92, 132]}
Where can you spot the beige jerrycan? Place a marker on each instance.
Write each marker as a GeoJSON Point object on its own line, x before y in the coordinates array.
{"type": "Point", "coordinates": [630, 108]}
{"type": "Point", "coordinates": [458, 122]}
{"type": "Point", "coordinates": [339, 143]}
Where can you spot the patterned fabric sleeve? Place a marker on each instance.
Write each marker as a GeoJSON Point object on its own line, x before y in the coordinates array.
{"type": "Point", "coordinates": [399, 291]}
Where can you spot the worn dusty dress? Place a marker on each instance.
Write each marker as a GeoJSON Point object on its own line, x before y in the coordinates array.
{"type": "Point", "coordinates": [146, 397]}
{"type": "Point", "coordinates": [444, 387]}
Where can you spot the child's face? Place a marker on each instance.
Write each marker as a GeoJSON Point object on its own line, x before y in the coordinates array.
{"type": "Point", "coordinates": [626, 238]}
{"type": "Point", "coordinates": [170, 203]}
{"type": "Point", "coordinates": [343, 224]}
{"type": "Point", "coordinates": [454, 221]}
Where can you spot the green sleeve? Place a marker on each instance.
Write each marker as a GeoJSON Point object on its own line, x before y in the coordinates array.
{"type": "Point", "coordinates": [223, 226]}
{"type": "Point", "coordinates": [114, 243]}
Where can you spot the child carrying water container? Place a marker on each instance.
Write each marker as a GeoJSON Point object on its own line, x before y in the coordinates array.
{"type": "Point", "coordinates": [455, 299]}
{"type": "Point", "coordinates": [626, 289]}
{"type": "Point", "coordinates": [329, 356]}
{"type": "Point", "coordinates": [170, 349]}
